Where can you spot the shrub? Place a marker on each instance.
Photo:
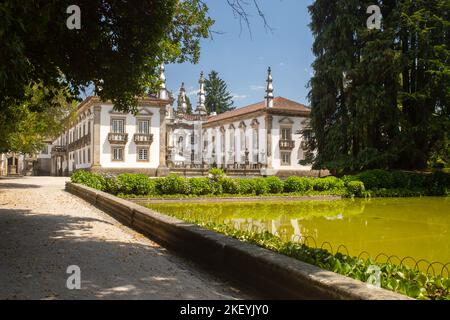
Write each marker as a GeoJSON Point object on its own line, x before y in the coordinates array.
{"type": "Point", "coordinates": [112, 184]}
{"type": "Point", "coordinates": [172, 184]}
{"type": "Point", "coordinates": [355, 188]}
{"type": "Point", "coordinates": [229, 186]}
{"type": "Point", "coordinates": [260, 186]}
{"type": "Point", "coordinates": [89, 179]}
{"type": "Point", "coordinates": [137, 184]}
{"type": "Point", "coordinates": [297, 184]}
{"type": "Point", "coordinates": [439, 183]}
{"type": "Point", "coordinates": [376, 179]}
{"type": "Point", "coordinates": [328, 183]}
{"type": "Point", "coordinates": [246, 186]}
{"type": "Point", "coordinates": [416, 181]}
{"type": "Point", "coordinates": [216, 173]}
{"type": "Point", "coordinates": [200, 186]}
{"type": "Point", "coordinates": [275, 185]}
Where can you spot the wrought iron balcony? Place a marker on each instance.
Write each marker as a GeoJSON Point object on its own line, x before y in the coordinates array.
{"type": "Point", "coordinates": [287, 144]}
{"type": "Point", "coordinates": [59, 150]}
{"type": "Point", "coordinates": [143, 138]}
{"type": "Point", "coordinates": [118, 138]}
{"type": "Point", "coordinates": [86, 140]}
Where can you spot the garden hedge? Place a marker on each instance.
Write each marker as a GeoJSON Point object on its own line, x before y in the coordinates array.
{"type": "Point", "coordinates": [376, 183]}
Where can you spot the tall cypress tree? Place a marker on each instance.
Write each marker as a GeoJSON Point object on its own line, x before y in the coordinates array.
{"type": "Point", "coordinates": [218, 98]}
{"type": "Point", "coordinates": [390, 110]}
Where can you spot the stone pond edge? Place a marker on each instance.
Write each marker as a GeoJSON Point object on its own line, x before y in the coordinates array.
{"type": "Point", "coordinates": [274, 275]}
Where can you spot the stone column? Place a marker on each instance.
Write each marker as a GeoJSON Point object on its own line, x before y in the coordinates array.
{"type": "Point", "coordinates": [162, 168]}
{"type": "Point", "coordinates": [96, 145]}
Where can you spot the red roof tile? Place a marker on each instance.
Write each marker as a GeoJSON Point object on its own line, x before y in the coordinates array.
{"type": "Point", "coordinates": [279, 103]}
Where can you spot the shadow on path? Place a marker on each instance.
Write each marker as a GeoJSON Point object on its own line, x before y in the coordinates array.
{"type": "Point", "coordinates": [8, 185]}
{"type": "Point", "coordinates": [36, 249]}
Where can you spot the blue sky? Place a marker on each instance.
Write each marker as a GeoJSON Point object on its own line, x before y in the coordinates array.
{"type": "Point", "coordinates": [242, 61]}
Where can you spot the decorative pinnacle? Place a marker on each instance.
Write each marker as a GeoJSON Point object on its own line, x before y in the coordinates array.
{"type": "Point", "coordinates": [201, 109]}
{"type": "Point", "coordinates": [269, 89]}
{"type": "Point", "coordinates": [162, 76]}
{"type": "Point", "coordinates": [182, 105]}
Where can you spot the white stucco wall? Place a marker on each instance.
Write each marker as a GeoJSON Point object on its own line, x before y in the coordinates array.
{"type": "Point", "coordinates": [276, 135]}
{"type": "Point", "coordinates": [239, 154]}
{"type": "Point", "coordinates": [130, 148]}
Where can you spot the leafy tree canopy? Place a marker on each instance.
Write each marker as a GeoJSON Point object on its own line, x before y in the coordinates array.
{"type": "Point", "coordinates": [118, 49]}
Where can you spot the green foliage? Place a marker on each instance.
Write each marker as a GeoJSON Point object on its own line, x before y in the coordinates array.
{"type": "Point", "coordinates": [200, 186]}
{"type": "Point", "coordinates": [328, 183]}
{"type": "Point", "coordinates": [246, 186]}
{"type": "Point", "coordinates": [147, 34]}
{"type": "Point", "coordinates": [261, 186]}
{"type": "Point", "coordinates": [297, 184]}
{"type": "Point", "coordinates": [440, 183]}
{"type": "Point", "coordinates": [44, 113]}
{"type": "Point", "coordinates": [355, 189]}
{"type": "Point", "coordinates": [401, 279]}
{"type": "Point", "coordinates": [275, 185]}
{"type": "Point", "coordinates": [218, 98]}
{"type": "Point", "coordinates": [138, 184]}
{"type": "Point", "coordinates": [229, 185]}
{"type": "Point", "coordinates": [379, 98]}
{"type": "Point", "coordinates": [173, 184]}
{"type": "Point", "coordinates": [123, 44]}
{"type": "Point", "coordinates": [376, 179]}
{"type": "Point", "coordinates": [216, 173]}
{"type": "Point", "coordinates": [89, 179]}
{"type": "Point", "coordinates": [374, 183]}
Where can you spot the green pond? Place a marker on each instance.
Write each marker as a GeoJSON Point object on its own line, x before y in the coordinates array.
{"type": "Point", "coordinates": [415, 227]}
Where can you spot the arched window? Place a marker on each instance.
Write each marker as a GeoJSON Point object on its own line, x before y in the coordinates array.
{"type": "Point", "coordinates": [255, 139]}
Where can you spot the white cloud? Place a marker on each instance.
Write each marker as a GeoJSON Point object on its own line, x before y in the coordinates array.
{"type": "Point", "coordinates": [257, 88]}
{"type": "Point", "coordinates": [237, 97]}
{"type": "Point", "coordinates": [192, 92]}
{"type": "Point", "coordinates": [282, 64]}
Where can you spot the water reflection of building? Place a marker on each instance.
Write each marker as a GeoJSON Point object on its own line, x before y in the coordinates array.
{"type": "Point", "coordinates": [287, 229]}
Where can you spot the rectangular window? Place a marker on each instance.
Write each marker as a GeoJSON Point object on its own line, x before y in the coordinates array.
{"type": "Point", "coordinates": [117, 153]}
{"type": "Point", "coordinates": [142, 154]}
{"type": "Point", "coordinates": [143, 126]}
{"type": "Point", "coordinates": [118, 125]}
{"type": "Point", "coordinates": [84, 156]}
{"type": "Point", "coordinates": [285, 158]}
{"type": "Point", "coordinates": [89, 155]}
{"type": "Point", "coordinates": [286, 134]}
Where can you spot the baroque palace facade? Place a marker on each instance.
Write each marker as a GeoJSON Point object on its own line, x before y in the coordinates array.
{"type": "Point", "coordinates": [260, 139]}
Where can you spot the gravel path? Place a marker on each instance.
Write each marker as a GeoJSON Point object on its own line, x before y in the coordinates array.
{"type": "Point", "coordinates": [45, 229]}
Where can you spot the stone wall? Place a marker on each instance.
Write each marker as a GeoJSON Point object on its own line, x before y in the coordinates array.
{"type": "Point", "coordinates": [273, 275]}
